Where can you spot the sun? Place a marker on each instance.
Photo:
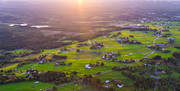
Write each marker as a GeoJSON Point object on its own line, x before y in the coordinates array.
{"type": "Point", "coordinates": [80, 1]}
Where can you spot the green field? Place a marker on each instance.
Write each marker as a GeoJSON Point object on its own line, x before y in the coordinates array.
{"type": "Point", "coordinates": [25, 86]}
{"type": "Point", "coordinates": [87, 56]}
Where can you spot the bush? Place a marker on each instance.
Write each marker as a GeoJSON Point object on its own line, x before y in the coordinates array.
{"type": "Point", "coordinates": [177, 54]}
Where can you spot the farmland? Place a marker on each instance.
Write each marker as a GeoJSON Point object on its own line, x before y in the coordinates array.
{"type": "Point", "coordinates": [109, 57]}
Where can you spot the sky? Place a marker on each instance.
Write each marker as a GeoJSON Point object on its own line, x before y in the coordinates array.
{"type": "Point", "coordinates": [46, 1]}
{"type": "Point", "coordinates": [90, 0]}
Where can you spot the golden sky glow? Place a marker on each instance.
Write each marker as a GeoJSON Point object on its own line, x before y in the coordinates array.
{"type": "Point", "coordinates": [80, 2]}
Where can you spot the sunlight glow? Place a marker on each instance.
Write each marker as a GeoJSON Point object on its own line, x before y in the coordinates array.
{"type": "Point", "coordinates": [80, 2]}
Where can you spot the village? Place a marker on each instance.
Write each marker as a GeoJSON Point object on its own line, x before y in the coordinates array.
{"type": "Point", "coordinates": [141, 57]}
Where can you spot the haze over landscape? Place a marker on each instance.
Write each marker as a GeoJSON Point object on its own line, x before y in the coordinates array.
{"type": "Point", "coordinates": [89, 45]}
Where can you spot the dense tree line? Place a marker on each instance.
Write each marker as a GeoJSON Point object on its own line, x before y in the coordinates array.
{"type": "Point", "coordinates": [10, 78]}
{"type": "Point", "coordinates": [141, 83]}
{"type": "Point", "coordinates": [94, 82]}
{"type": "Point", "coordinates": [177, 54]}
{"type": "Point", "coordinates": [166, 84]}
{"type": "Point", "coordinates": [52, 77]}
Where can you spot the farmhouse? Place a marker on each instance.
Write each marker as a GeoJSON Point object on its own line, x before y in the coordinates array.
{"type": "Point", "coordinates": [64, 49]}
{"type": "Point", "coordinates": [111, 55]}
{"type": "Point", "coordinates": [97, 45]}
{"type": "Point", "coordinates": [42, 61]}
{"type": "Point", "coordinates": [171, 40]}
{"type": "Point", "coordinates": [132, 36]}
{"type": "Point", "coordinates": [120, 85]}
{"type": "Point", "coordinates": [125, 40]}
{"type": "Point", "coordinates": [56, 64]}
{"type": "Point", "coordinates": [88, 66]}
{"type": "Point", "coordinates": [107, 81]}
